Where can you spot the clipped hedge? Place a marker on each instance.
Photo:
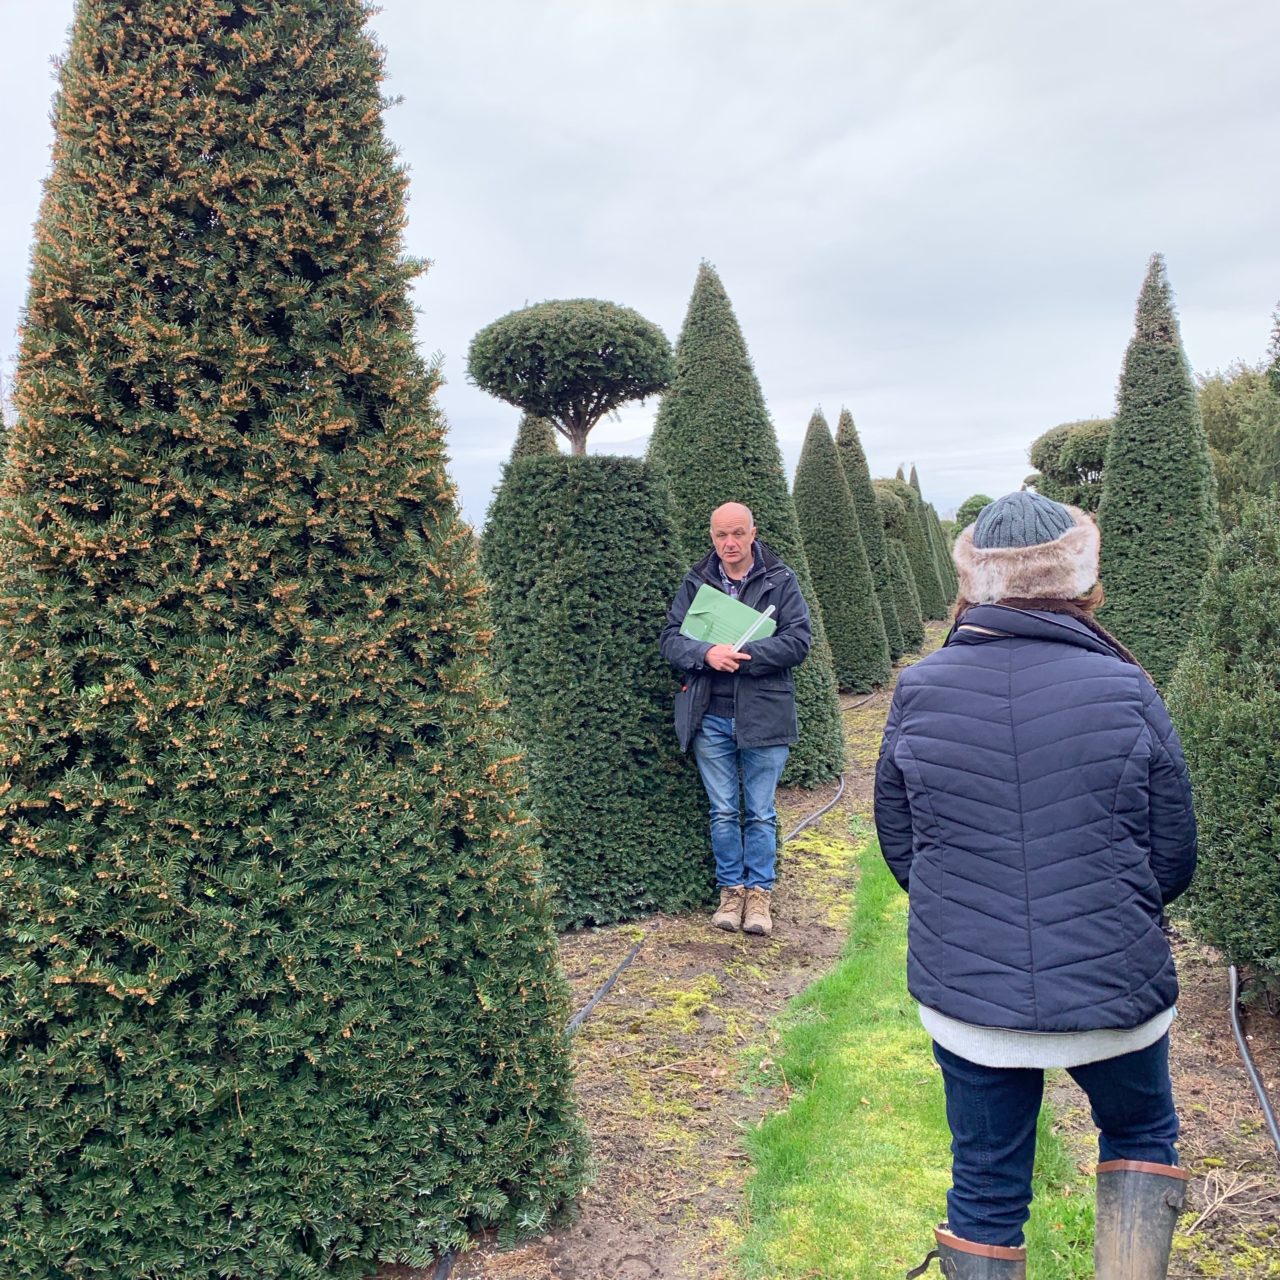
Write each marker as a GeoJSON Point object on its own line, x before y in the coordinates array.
{"type": "Point", "coordinates": [1158, 514]}
{"type": "Point", "coordinates": [583, 562]}
{"type": "Point", "coordinates": [838, 561]}
{"type": "Point", "coordinates": [1069, 460]}
{"type": "Point", "coordinates": [1225, 700]}
{"type": "Point", "coordinates": [854, 463]}
{"type": "Point", "coordinates": [279, 995]}
{"type": "Point", "coordinates": [970, 509]}
{"type": "Point", "coordinates": [715, 443]}
{"type": "Point", "coordinates": [535, 438]}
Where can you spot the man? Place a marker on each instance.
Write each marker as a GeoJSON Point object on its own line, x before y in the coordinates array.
{"type": "Point", "coordinates": [737, 709]}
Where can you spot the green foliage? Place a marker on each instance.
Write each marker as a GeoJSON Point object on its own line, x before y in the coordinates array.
{"type": "Point", "coordinates": [1225, 699]}
{"type": "Point", "coordinates": [921, 550]}
{"type": "Point", "coordinates": [906, 598]}
{"type": "Point", "coordinates": [838, 561]}
{"type": "Point", "coordinates": [1069, 459]}
{"type": "Point", "coordinates": [1273, 370]}
{"type": "Point", "coordinates": [1241, 414]}
{"type": "Point", "coordinates": [941, 551]}
{"type": "Point", "coordinates": [1158, 514]}
{"type": "Point", "coordinates": [854, 463]}
{"type": "Point", "coordinates": [583, 559]}
{"type": "Point", "coordinates": [970, 509]}
{"type": "Point", "coordinates": [571, 361]}
{"type": "Point", "coordinates": [536, 438]}
{"type": "Point", "coordinates": [278, 986]}
{"type": "Point", "coordinates": [715, 443]}
{"type": "Point", "coordinates": [914, 481]}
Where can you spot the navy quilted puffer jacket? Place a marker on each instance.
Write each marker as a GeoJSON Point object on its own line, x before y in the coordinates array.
{"type": "Point", "coordinates": [1032, 798]}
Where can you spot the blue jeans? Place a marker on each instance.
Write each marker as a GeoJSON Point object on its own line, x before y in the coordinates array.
{"type": "Point", "coordinates": [740, 783]}
{"type": "Point", "coordinates": [992, 1113]}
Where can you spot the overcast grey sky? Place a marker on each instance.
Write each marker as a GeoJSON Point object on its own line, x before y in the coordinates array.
{"type": "Point", "coordinates": [935, 212]}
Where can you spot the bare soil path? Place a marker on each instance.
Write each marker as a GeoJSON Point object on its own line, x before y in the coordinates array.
{"type": "Point", "coordinates": [662, 1060]}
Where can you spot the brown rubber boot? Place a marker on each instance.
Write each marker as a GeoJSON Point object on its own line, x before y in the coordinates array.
{"type": "Point", "coordinates": [965, 1260]}
{"type": "Point", "coordinates": [1137, 1209]}
{"type": "Point", "coordinates": [756, 917]}
{"type": "Point", "coordinates": [729, 913]}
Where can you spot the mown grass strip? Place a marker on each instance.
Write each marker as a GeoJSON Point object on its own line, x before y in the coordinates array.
{"type": "Point", "coordinates": [850, 1179]}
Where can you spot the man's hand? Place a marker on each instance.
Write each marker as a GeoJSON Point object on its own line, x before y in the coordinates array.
{"type": "Point", "coordinates": [724, 657]}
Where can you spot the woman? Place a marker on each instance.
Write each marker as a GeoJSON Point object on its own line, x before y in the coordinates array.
{"type": "Point", "coordinates": [1032, 798]}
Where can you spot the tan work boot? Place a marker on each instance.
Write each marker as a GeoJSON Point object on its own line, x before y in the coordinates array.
{"type": "Point", "coordinates": [756, 917]}
{"type": "Point", "coordinates": [729, 913]}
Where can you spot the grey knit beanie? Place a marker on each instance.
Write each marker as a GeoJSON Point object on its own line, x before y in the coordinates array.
{"type": "Point", "coordinates": [1020, 520]}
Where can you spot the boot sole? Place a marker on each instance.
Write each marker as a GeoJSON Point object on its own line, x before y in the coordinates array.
{"type": "Point", "coordinates": [756, 931]}
{"type": "Point", "coordinates": [727, 925]}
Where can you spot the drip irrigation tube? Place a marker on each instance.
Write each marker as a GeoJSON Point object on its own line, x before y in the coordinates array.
{"type": "Point", "coordinates": [578, 1018]}
{"type": "Point", "coordinates": [1249, 1065]}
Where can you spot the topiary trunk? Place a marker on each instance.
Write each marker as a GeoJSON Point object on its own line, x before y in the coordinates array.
{"type": "Point", "coordinates": [279, 991]}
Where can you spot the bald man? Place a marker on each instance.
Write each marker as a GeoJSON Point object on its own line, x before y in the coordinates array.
{"type": "Point", "coordinates": [737, 710]}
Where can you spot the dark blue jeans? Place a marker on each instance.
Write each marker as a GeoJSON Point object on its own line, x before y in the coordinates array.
{"type": "Point", "coordinates": [992, 1113]}
{"type": "Point", "coordinates": [740, 783]}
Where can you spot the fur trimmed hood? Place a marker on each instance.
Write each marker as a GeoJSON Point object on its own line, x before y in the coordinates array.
{"type": "Point", "coordinates": [1062, 569]}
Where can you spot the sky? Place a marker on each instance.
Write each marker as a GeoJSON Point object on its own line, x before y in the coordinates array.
{"type": "Point", "coordinates": [937, 214]}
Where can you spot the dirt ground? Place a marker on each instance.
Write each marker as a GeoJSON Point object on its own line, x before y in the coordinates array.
{"type": "Point", "coordinates": [661, 1064]}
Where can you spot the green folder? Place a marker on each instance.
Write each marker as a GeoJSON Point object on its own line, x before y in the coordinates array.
{"type": "Point", "coordinates": [719, 619]}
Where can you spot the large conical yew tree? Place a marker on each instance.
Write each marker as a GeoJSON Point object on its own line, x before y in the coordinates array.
{"type": "Point", "coordinates": [838, 562]}
{"type": "Point", "coordinates": [856, 471]}
{"type": "Point", "coordinates": [623, 816]}
{"type": "Point", "coordinates": [1158, 515]}
{"type": "Point", "coordinates": [278, 987]}
{"type": "Point", "coordinates": [715, 442]}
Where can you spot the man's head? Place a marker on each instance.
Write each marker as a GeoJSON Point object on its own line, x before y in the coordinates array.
{"type": "Point", "coordinates": [733, 533]}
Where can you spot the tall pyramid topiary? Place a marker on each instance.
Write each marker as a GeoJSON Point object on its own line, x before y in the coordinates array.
{"type": "Point", "coordinates": [906, 599]}
{"type": "Point", "coordinates": [921, 553]}
{"type": "Point", "coordinates": [715, 443]}
{"type": "Point", "coordinates": [622, 812]}
{"type": "Point", "coordinates": [1158, 514]}
{"type": "Point", "coordinates": [535, 438]}
{"type": "Point", "coordinates": [854, 463]}
{"type": "Point", "coordinates": [279, 993]}
{"type": "Point", "coordinates": [1225, 700]}
{"type": "Point", "coordinates": [838, 561]}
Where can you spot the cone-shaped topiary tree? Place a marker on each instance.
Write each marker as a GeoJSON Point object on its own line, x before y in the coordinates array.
{"type": "Point", "coordinates": [941, 551]}
{"type": "Point", "coordinates": [622, 812]}
{"type": "Point", "coordinates": [906, 600]}
{"type": "Point", "coordinates": [918, 543]}
{"type": "Point", "coordinates": [535, 438]}
{"type": "Point", "coordinates": [854, 463]}
{"type": "Point", "coordinates": [1157, 512]}
{"type": "Point", "coordinates": [915, 480]}
{"type": "Point", "coordinates": [715, 443]}
{"type": "Point", "coordinates": [841, 574]}
{"type": "Point", "coordinates": [970, 509]}
{"type": "Point", "coordinates": [900, 474]}
{"type": "Point", "coordinates": [279, 993]}
{"type": "Point", "coordinates": [1226, 703]}
{"type": "Point", "coordinates": [571, 361]}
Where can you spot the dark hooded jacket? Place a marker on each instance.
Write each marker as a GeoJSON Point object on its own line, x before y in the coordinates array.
{"type": "Point", "coordinates": [1032, 798]}
{"type": "Point", "coordinates": [764, 692]}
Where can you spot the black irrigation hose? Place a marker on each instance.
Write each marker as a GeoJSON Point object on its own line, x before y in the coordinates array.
{"type": "Point", "coordinates": [578, 1018]}
{"type": "Point", "coordinates": [1249, 1065]}
{"type": "Point", "coordinates": [813, 817]}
